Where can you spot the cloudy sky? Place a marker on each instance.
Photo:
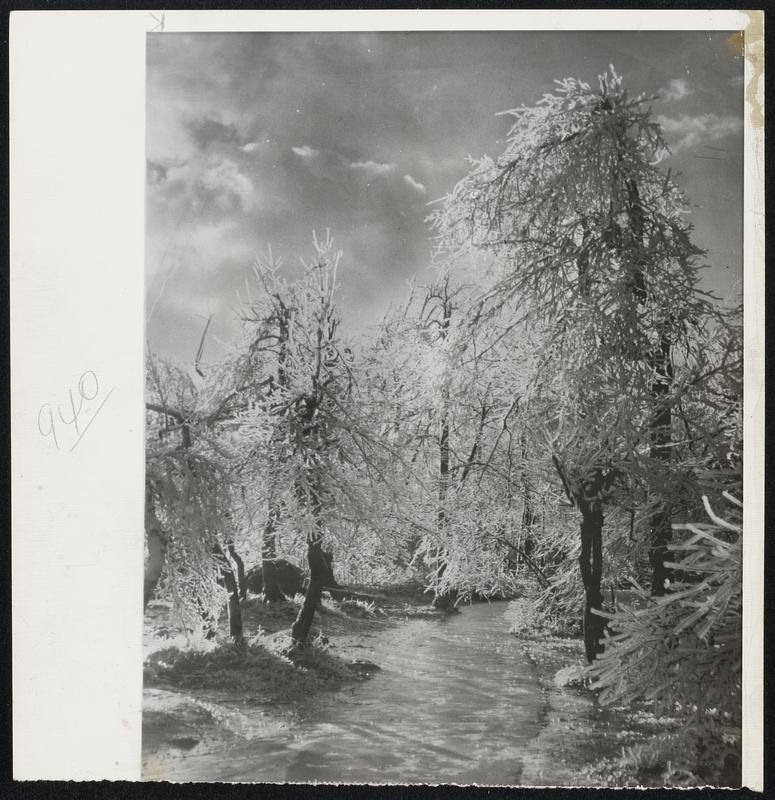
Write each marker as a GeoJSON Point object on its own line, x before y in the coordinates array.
{"type": "Point", "coordinates": [257, 139]}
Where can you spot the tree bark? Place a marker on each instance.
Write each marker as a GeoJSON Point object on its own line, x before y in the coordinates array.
{"type": "Point", "coordinates": [591, 507]}
{"type": "Point", "coordinates": [329, 581]}
{"type": "Point", "coordinates": [660, 450]}
{"type": "Point", "coordinates": [318, 570]}
{"type": "Point", "coordinates": [443, 468]}
{"type": "Point", "coordinates": [445, 600]}
{"type": "Point", "coordinates": [235, 610]}
{"type": "Point", "coordinates": [591, 564]}
{"type": "Point", "coordinates": [660, 430]}
{"type": "Point", "coordinates": [240, 564]}
{"type": "Point", "coordinates": [157, 551]}
{"type": "Point", "coordinates": [234, 607]}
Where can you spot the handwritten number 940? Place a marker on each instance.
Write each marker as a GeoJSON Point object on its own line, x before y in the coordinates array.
{"type": "Point", "coordinates": [74, 413]}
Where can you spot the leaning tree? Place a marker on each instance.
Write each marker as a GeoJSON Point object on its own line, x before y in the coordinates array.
{"type": "Point", "coordinates": [590, 253]}
{"type": "Point", "coordinates": [312, 445]}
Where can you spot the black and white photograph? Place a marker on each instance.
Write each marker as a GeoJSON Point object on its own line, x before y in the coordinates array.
{"type": "Point", "coordinates": [444, 408]}
{"type": "Point", "coordinates": [410, 366]}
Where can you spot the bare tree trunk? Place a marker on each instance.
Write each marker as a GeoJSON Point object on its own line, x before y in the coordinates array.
{"type": "Point", "coordinates": [235, 610]}
{"type": "Point", "coordinates": [157, 550]}
{"type": "Point", "coordinates": [319, 568]}
{"type": "Point", "coordinates": [591, 507]}
{"type": "Point", "coordinates": [660, 430]}
{"type": "Point", "coordinates": [445, 600]}
{"type": "Point", "coordinates": [317, 574]}
{"type": "Point", "coordinates": [329, 581]}
{"type": "Point", "coordinates": [234, 607]}
{"type": "Point", "coordinates": [240, 564]}
{"type": "Point", "coordinates": [661, 438]}
{"type": "Point", "coordinates": [591, 564]}
{"type": "Point", "coordinates": [443, 468]}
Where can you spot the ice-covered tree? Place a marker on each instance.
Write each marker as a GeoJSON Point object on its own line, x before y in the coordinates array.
{"type": "Point", "coordinates": [590, 253]}
{"type": "Point", "coordinates": [457, 409]}
{"type": "Point", "coordinates": [189, 496]}
{"type": "Point", "coordinates": [317, 463]}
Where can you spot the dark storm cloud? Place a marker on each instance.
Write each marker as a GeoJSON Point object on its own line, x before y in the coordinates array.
{"type": "Point", "coordinates": [257, 139]}
{"type": "Point", "coordinates": [206, 131]}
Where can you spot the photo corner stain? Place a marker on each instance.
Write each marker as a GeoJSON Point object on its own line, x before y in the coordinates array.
{"type": "Point", "coordinates": [749, 43]}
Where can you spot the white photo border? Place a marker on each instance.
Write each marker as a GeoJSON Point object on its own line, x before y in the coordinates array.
{"type": "Point", "coordinates": [77, 94]}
